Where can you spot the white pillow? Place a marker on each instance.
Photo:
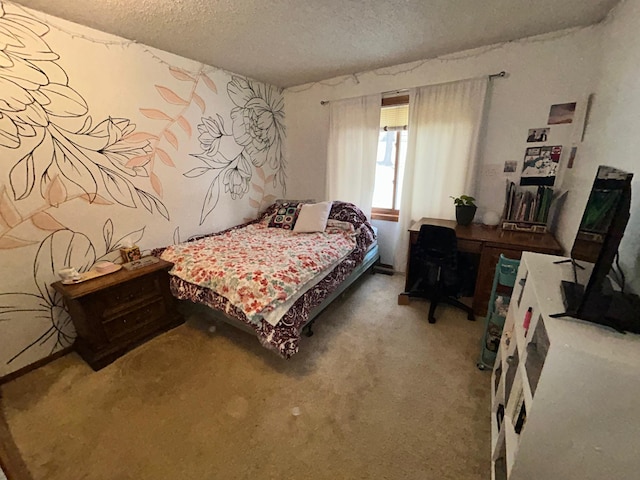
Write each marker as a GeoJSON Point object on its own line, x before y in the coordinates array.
{"type": "Point", "coordinates": [313, 217]}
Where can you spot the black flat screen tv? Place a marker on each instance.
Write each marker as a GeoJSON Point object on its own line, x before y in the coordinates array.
{"type": "Point", "coordinates": [599, 235]}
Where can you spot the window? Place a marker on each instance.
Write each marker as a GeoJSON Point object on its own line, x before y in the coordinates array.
{"type": "Point", "coordinates": [392, 149]}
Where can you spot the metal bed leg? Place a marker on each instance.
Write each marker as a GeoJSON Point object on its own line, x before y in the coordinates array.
{"type": "Point", "coordinates": [306, 330]}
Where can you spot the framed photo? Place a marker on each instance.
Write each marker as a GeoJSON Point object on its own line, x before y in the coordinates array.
{"type": "Point", "coordinates": [538, 134]}
{"type": "Point", "coordinates": [561, 113]}
{"type": "Point", "coordinates": [540, 165]}
{"type": "Point", "coordinates": [510, 166]}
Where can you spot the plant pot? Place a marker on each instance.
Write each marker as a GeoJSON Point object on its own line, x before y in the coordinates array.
{"type": "Point", "coordinates": [465, 214]}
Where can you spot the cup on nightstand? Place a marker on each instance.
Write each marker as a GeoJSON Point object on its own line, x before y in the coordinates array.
{"type": "Point", "coordinates": [69, 274]}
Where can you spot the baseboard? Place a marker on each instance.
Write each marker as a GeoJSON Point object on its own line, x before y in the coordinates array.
{"type": "Point", "coordinates": [33, 366]}
{"type": "Point", "coordinates": [384, 269]}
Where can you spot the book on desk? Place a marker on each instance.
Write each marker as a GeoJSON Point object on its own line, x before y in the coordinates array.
{"type": "Point", "coordinates": [530, 209]}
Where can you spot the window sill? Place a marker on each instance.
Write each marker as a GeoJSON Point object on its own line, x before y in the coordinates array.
{"type": "Point", "coordinates": [386, 215]}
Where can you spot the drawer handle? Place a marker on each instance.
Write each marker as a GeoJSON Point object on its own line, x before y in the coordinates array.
{"type": "Point", "coordinates": [119, 298]}
{"type": "Point", "coordinates": [144, 313]}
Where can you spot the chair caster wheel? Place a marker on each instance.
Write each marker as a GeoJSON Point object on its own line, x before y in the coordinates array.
{"type": "Point", "coordinates": [432, 320]}
{"type": "Point", "coordinates": [480, 366]}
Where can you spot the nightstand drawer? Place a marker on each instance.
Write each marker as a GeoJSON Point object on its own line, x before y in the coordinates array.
{"type": "Point", "coordinates": [112, 310]}
{"type": "Point", "coordinates": [133, 320]}
{"type": "Point", "coordinates": [130, 291]}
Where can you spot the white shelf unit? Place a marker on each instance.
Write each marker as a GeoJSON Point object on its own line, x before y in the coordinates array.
{"type": "Point", "coordinates": [582, 419]}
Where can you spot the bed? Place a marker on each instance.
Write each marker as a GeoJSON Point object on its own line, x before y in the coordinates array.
{"type": "Point", "coordinates": [269, 280]}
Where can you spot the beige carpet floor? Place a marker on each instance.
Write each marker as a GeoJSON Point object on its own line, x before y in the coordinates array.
{"type": "Point", "coordinates": [381, 394]}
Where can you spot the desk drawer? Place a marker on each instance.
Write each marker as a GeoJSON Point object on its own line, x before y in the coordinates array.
{"type": "Point", "coordinates": [469, 246]}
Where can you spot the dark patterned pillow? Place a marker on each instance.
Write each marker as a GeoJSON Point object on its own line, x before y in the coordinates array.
{"type": "Point", "coordinates": [285, 216]}
{"type": "Point", "coordinates": [265, 217]}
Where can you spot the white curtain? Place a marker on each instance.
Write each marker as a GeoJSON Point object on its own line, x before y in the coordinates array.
{"type": "Point", "coordinates": [354, 125]}
{"type": "Point", "coordinates": [442, 151]}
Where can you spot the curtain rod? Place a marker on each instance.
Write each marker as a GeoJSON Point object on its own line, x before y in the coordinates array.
{"type": "Point", "coordinates": [491, 77]}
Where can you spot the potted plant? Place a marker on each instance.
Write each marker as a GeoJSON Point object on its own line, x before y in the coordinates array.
{"type": "Point", "coordinates": [465, 209]}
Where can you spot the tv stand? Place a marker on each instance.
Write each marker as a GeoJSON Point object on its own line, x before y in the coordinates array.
{"type": "Point", "coordinates": [572, 293]}
{"type": "Point", "coordinates": [624, 312]}
{"type": "Point", "coordinates": [569, 260]}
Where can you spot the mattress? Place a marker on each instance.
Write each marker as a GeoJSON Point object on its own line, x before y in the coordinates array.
{"type": "Point", "coordinates": [284, 335]}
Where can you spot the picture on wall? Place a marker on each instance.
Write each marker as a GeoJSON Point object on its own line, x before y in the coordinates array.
{"type": "Point", "coordinates": [540, 165]}
{"type": "Point", "coordinates": [510, 166]}
{"type": "Point", "coordinates": [538, 134]}
{"type": "Point", "coordinates": [561, 113]}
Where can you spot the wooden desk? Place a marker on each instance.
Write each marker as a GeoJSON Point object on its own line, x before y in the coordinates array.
{"type": "Point", "coordinates": [487, 243]}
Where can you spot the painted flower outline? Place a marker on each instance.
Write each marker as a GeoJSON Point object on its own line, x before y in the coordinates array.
{"type": "Point", "coordinates": [36, 103]}
{"type": "Point", "coordinates": [211, 132]}
{"type": "Point", "coordinates": [32, 85]}
{"type": "Point", "coordinates": [257, 128]}
{"type": "Point", "coordinates": [237, 177]}
{"type": "Point", "coordinates": [60, 249]}
{"type": "Point", "coordinates": [258, 123]}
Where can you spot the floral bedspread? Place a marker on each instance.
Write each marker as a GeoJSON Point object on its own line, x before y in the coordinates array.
{"type": "Point", "coordinates": [257, 268]}
{"type": "Point", "coordinates": [284, 337]}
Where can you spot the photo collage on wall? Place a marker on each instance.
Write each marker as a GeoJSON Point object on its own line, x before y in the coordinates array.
{"type": "Point", "coordinates": [533, 209]}
{"type": "Point", "coordinates": [540, 165]}
{"type": "Point", "coordinates": [541, 162]}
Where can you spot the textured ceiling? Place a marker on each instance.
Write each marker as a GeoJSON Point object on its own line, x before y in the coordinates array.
{"type": "Point", "coordinates": [291, 42]}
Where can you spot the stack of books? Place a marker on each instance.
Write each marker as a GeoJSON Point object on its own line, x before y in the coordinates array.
{"type": "Point", "coordinates": [526, 209]}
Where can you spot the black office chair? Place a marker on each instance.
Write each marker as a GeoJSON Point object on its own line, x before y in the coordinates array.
{"type": "Point", "coordinates": [440, 270]}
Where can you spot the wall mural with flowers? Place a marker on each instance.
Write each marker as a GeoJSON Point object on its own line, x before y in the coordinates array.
{"type": "Point", "coordinates": [258, 127]}
{"type": "Point", "coordinates": [104, 141]}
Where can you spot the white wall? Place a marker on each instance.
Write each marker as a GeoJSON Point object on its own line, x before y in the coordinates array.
{"type": "Point", "coordinates": [612, 134]}
{"type": "Point", "coordinates": [542, 71]}
{"type": "Point", "coordinates": [173, 155]}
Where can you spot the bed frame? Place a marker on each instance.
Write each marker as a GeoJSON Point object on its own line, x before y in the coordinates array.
{"type": "Point", "coordinates": [372, 257]}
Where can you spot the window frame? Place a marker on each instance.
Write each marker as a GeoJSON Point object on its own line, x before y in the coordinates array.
{"type": "Point", "coordinates": [391, 214]}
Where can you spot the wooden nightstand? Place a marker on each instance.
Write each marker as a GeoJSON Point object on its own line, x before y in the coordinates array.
{"type": "Point", "coordinates": [116, 312]}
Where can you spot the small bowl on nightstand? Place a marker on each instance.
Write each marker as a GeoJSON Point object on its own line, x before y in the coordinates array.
{"type": "Point", "coordinates": [106, 267]}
